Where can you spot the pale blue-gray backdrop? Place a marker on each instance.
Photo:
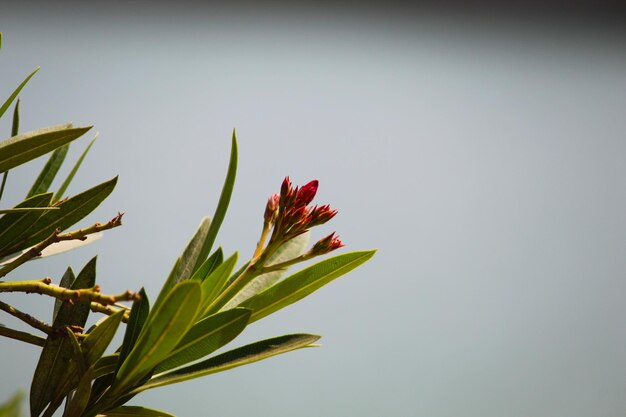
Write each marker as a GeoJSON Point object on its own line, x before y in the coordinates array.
{"type": "Point", "coordinates": [484, 158]}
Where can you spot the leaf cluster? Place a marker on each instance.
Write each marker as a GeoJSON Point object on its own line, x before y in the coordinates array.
{"type": "Point", "coordinates": [204, 304]}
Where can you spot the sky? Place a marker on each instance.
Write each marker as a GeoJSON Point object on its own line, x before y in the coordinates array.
{"type": "Point", "coordinates": [480, 153]}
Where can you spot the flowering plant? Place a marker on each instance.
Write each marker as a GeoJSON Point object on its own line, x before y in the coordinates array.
{"type": "Point", "coordinates": [203, 305]}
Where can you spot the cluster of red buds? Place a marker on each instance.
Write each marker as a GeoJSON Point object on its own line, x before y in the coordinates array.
{"type": "Point", "coordinates": [291, 215]}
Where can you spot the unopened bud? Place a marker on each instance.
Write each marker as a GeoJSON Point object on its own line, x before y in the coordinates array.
{"type": "Point", "coordinates": [271, 209]}
{"type": "Point", "coordinates": [326, 244]}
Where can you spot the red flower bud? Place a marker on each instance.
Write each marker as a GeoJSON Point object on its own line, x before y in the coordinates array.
{"type": "Point", "coordinates": [326, 244]}
{"type": "Point", "coordinates": [271, 209]}
{"type": "Point", "coordinates": [306, 193]}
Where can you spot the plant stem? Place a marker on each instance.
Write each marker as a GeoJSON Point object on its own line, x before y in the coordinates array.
{"type": "Point", "coordinates": [26, 318]}
{"type": "Point", "coordinates": [57, 236]}
{"type": "Point", "coordinates": [44, 287]}
{"type": "Point", "coordinates": [22, 336]}
{"type": "Point", "coordinates": [99, 308]}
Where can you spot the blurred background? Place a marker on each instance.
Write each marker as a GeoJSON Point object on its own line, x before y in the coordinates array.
{"type": "Point", "coordinates": [480, 149]}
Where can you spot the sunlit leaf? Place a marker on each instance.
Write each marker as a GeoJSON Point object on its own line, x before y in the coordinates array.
{"type": "Point", "coordinates": [61, 191]}
{"type": "Point", "coordinates": [22, 148]}
{"type": "Point", "coordinates": [49, 171]}
{"type": "Point", "coordinates": [209, 265]}
{"type": "Point", "coordinates": [213, 284]}
{"type": "Point", "coordinates": [241, 356]}
{"type": "Point", "coordinates": [303, 283]}
{"type": "Point", "coordinates": [166, 326]}
{"type": "Point", "coordinates": [205, 337]}
{"type": "Point", "coordinates": [290, 250]}
{"type": "Point", "coordinates": [186, 263]}
{"type": "Point", "coordinates": [13, 95]}
{"type": "Point", "coordinates": [222, 205]}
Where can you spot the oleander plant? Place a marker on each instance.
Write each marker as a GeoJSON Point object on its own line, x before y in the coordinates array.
{"type": "Point", "coordinates": [207, 300]}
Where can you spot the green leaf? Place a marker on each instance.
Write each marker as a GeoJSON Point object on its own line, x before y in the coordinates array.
{"type": "Point", "coordinates": [186, 263]}
{"type": "Point", "coordinates": [49, 171]}
{"type": "Point", "coordinates": [80, 399]}
{"type": "Point", "coordinates": [26, 209]}
{"type": "Point", "coordinates": [209, 265]}
{"type": "Point", "coordinates": [215, 282]}
{"type": "Point", "coordinates": [241, 356]}
{"type": "Point", "coordinates": [20, 149]}
{"type": "Point", "coordinates": [12, 407]}
{"type": "Point", "coordinates": [138, 316]}
{"type": "Point", "coordinates": [57, 353]}
{"type": "Point", "coordinates": [106, 365]}
{"type": "Point", "coordinates": [205, 337]}
{"type": "Point", "coordinates": [166, 326]}
{"type": "Point", "coordinates": [303, 283]}
{"type": "Point", "coordinates": [66, 282]}
{"type": "Point", "coordinates": [13, 95]}
{"type": "Point", "coordinates": [70, 211]}
{"type": "Point", "coordinates": [99, 338]}
{"type": "Point", "coordinates": [135, 411]}
{"type": "Point", "coordinates": [14, 225]}
{"type": "Point", "coordinates": [59, 194]}
{"type": "Point", "coordinates": [290, 250]}
{"type": "Point", "coordinates": [222, 205]}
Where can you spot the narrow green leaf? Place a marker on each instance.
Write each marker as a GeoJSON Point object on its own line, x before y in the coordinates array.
{"type": "Point", "coordinates": [70, 211]}
{"type": "Point", "coordinates": [49, 171]}
{"type": "Point", "coordinates": [241, 356]}
{"type": "Point", "coordinates": [66, 282]}
{"type": "Point", "coordinates": [26, 209]}
{"type": "Point", "coordinates": [209, 265]}
{"type": "Point", "coordinates": [166, 326]}
{"type": "Point", "coordinates": [186, 263]}
{"type": "Point", "coordinates": [138, 316]}
{"type": "Point", "coordinates": [205, 337]}
{"type": "Point", "coordinates": [135, 411]}
{"type": "Point", "coordinates": [15, 93]}
{"type": "Point", "coordinates": [106, 365]}
{"type": "Point", "coordinates": [14, 225]}
{"type": "Point", "coordinates": [59, 194]}
{"type": "Point", "coordinates": [99, 338]}
{"type": "Point", "coordinates": [15, 125]}
{"type": "Point", "coordinates": [213, 284]}
{"type": "Point", "coordinates": [57, 353]}
{"type": "Point", "coordinates": [20, 149]}
{"type": "Point", "coordinates": [222, 205]}
{"type": "Point", "coordinates": [14, 130]}
{"type": "Point", "coordinates": [290, 250]}
{"type": "Point", "coordinates": [303, 283]}
{"type": "Point", "coordinates": [80, 399]}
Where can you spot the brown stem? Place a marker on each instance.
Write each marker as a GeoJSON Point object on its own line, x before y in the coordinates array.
{"type": "Point", "coordinates": [57, 236]}
{"type": "Point", "coordinates": [22, 336]}
{"type": "Point", "coordinates": [26, 318]}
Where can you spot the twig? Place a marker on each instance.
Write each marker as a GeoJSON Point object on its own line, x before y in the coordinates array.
{"type": "Point", "coordinates": [22, 336]}
{"type": "Point", "coordinates": [45, 287]}
{"type": "Point", "coordinates": [57, 236]}
{"type": "Point", "coordinates": [27, 318]}
{"type": "Point", "coordinates": [99, 308]}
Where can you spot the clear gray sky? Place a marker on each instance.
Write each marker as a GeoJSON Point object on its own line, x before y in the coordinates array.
{"type": "Point", "coordinates": [483, 157]}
